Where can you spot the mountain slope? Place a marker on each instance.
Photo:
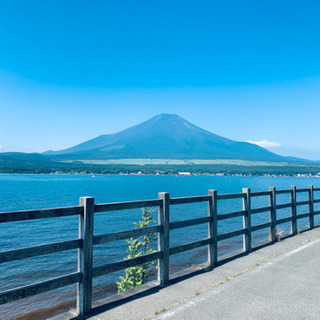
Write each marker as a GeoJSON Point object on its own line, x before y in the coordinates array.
{"type": "Point", "coordinates": [166, 136]}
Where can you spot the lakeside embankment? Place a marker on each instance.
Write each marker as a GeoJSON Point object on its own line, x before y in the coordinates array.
{"type": "Point", "coordinates": [110, 291]}
{"type": "Point", "coordinates": [22, 192]}
{"type": "Point", "coordinates": [277, 280]}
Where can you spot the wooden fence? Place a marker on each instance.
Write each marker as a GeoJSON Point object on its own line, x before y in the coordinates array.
{"type": "Point", "coordinates": [86, 271]}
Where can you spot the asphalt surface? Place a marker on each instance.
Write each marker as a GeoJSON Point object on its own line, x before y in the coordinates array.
{"type": "Point", "coordinates": [287, 287]}
{"type": "Point", "coordinates": [280, 281]}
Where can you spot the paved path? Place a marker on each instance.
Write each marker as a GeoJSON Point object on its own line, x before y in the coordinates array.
{"type": "Point", "coordinates": [281, 281]}
{"type": "Point", "coordinates": [287, 287]}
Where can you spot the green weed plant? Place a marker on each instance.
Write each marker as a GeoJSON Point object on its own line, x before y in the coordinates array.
{"type": "Point", "coordinates": [139, 246]}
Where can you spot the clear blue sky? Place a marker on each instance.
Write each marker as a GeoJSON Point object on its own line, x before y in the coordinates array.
{"type": "Point", "coordinates": [246, 70]}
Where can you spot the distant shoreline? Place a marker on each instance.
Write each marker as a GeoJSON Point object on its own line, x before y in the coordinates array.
{"type": "Point", "coordinates": [166, 174]}
{"type": "Point", "coordinates": [40, 164]}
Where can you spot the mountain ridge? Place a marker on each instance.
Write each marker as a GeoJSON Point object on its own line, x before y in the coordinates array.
{"type": "Point", "coordinates": [166, 136]}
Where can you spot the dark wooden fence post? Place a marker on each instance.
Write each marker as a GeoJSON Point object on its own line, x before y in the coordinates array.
{"type": "Point", "coordinates": [247, 219]}
{"type": "Point", "coordinates": [273, 214]}
{"type": "Point", "coordinates": [293, 200]}
{"type": "Point", "coordinates": [163, 239]}
{"type": "Point", "coordinates": [213, 228]}
{"type": "Point", "coordinates": [311, 206]}
{"type": "Point", "coordinates": [85, 253]}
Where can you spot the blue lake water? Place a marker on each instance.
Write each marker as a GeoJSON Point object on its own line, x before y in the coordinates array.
{"type": "Point", "coordinates": [23, 192]}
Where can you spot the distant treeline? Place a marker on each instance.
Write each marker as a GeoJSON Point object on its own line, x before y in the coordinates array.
{"type": "Point", "coordinates": [36, 163]}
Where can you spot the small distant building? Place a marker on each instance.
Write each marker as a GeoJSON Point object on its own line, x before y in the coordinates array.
{"type": "Point", "coordinates": [184, 173]}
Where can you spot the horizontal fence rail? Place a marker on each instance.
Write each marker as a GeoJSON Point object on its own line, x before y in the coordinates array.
{"type": "Point", "coordinates": [120, 265]}
{"type": "Point", "coordinates": [87, 240]}
{"type": "Point", "coordinates": [39, 250]}
{"type": "Point", "coordinates": [116, 236]}
{"type": "Point", "coordinates": [189, 200]}
{"type": "Point", "coordinates": [41, 287]}
{"type": "Point", "coordinates": [126, 205]}
{"type": "Point", "coordinates": [39, 214]}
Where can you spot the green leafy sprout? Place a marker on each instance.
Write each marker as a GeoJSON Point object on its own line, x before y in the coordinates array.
{"type": "Point", "coordinates": [139, 246]}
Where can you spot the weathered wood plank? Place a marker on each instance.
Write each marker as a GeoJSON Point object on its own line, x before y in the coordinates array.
{"type": "Point", "coordinates": [189, 223]}
{"type": "Point", "coordinates": [260, 193]}
{"type": "Point", "coordinates": [273, 214]}
{"type": "Point", "coordinates": [231, 234]}
{"type": "Point", "coordinates": [126, 234]}
{"type": "Point", "coordinates": [39, 287]}
{"type": "Point", "coordinates": [164, 238]}
{"type": "Point", "coordinates": [302, 203]}
{"type": "Point", "coordinates": [231, 215]}
{"type": "Point", "coordinates": [261, 226]}
{"type": "Point", "coordinates": [120, 265]}
{"type": "Point", "coordinates": [283, 191]}
{"type": "Point", "coordinates": [301, 216]}
{"type": "Point", "coordinates": [184, 200]}
{"type": "Point", "coordinates": [259, 210]}
{"type": "Point", "coordinates": [293, 199]}
{"type": "Point", "coordinates": [213, 228]}
{"type": "Point", "coordinates": [39, 214]}
{"type": "Point", "coordinates": [284, 205]}
{"type": "Point", "coordinates": [85, 256]}
{"type": "Point", "coordinates": [189, 246]}
{"type": "Point", "coordinates": [246, 205]}
{"type": "Point", "coordinates": [302, 190]}
{"type": "Point", "coordinates": [284, 220]}
{"type": "Point", "coordinates": [35, 251]}
{"type": "Point", "coordinates": [230, 196]}
{"type": "Point", "coordinates": [311, 206]}
{"type": "Point", "coordinates": [126, 205]}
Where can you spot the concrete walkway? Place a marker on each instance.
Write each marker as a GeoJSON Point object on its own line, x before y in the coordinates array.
{"type": "Point", "coordinates": [280, 281]}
